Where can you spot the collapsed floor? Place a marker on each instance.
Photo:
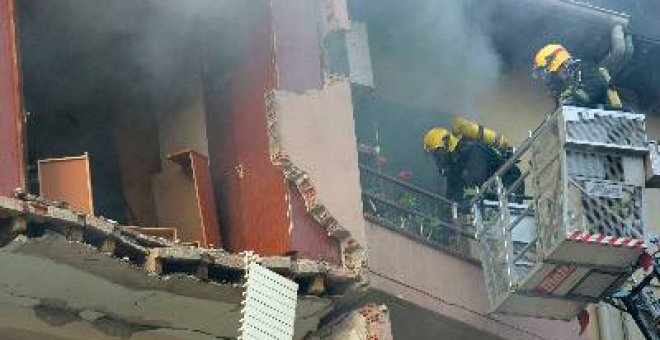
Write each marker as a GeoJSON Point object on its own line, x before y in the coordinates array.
{"type": "Point", "coordinates": [97, 267]}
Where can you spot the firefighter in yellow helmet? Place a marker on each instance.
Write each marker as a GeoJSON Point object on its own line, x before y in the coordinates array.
{"type": "Point", "coordinates": [467, 156]}
{"type": "Point", "coordinates": [572, 81]}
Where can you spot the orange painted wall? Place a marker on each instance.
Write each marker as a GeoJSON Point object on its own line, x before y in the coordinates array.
{"type": "Point", "coordinates": [12, 170]}
{"type": "Point", "coordinates": [250, 190]}
{"type": "Point", "coordinates": [257, 210]}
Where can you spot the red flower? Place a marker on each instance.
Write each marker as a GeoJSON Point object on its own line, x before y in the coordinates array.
{"type": "Point", "coordinates": [404, 175]}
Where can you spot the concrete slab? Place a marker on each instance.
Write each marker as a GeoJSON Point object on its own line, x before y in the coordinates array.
{"type": "Point", "coordinates": [51, 273]}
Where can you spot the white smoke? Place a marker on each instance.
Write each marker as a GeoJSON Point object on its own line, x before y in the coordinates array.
{"type": "Point", "coordinates": [435, 54]}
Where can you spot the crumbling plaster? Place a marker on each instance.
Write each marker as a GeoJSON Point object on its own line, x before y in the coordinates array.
{"type": "Point", "coordinates": [368, 322]}
{"type": "Point", "coordinates": [317, 133]}
{"type": "Point", "coordinates": [312, 139]}
{"type": "Point", "coordinates": [52, 274]}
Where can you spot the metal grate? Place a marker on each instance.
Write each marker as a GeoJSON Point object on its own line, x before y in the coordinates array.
{"type": "Point", "coordinates": [269, 306]}
{"type": "Point", "coordinates": [601, 200]}
{"type": "Point", "coordinates": [596, 166]}
{"type": "Point", "coordinates": [605, 207]}
{"type": "Point", "coordinates": [605, 128]}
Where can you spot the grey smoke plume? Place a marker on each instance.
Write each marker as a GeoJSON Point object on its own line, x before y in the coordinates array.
{"type": "Point", "coordinates": [434, 54]}
{"type": "Point", "coordinates": [432, 59]}
{"type": "Point", "coordinates": [98, 75]}
{"type": "Point", "coordinates": [110, 47]}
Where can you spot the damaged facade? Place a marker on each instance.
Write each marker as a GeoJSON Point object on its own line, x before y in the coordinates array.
{"type": "Point", "coordinates": [146, 146]}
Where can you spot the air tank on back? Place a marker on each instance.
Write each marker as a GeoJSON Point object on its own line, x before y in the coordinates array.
{"type": "Point", "coordinates": [465, 128]}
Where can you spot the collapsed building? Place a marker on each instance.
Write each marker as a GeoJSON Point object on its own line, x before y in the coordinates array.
{"type": "Point", "coordinates": [146, 146]}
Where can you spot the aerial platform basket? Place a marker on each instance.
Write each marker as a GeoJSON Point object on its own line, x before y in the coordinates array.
{"type": "Point", "coordinates": [577, 239]}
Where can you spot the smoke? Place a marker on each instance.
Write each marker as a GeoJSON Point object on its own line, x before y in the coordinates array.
{"type": "Point", "coordinates": [90, 50]}
{"type": "Point", "coordinates": [433, 54]}
{"type": "Point", "coordinates": [431, 59]}
{"type": "Point", "coordinates": [98, 76]}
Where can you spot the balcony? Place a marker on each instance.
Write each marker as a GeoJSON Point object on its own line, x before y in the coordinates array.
{"type": "Point", "coordinates": [416, 213]}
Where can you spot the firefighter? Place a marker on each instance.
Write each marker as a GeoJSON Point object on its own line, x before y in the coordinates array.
{"type": "Point", "coordinates": [572, 81]}
{"type": "Point", "coordinates": [467, 159]}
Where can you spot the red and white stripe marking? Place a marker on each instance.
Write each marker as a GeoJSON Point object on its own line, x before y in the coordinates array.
{"type": "Point", "coordinates": [629, 242]}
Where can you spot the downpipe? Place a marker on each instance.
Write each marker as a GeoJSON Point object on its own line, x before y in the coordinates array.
{"type": "Point", "coordinates": [618, 54]}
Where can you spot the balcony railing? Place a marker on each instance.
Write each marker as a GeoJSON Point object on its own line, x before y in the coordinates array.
{"type": "Point", "coordinates": [416, 212]}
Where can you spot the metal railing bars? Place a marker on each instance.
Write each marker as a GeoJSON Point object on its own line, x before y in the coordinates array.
{"type": "Point", "coordinates": [524, 250]}
{"type": "Point", "coordinates": [512, 188]}
{"type": "Point", "coordinates": [406, 185]}
{"type": "Point", "coordinates": [417, 213]}
{"type": "Point", "coordinates": [519, 219]}
{"type": "Point", "coordinates": [524, 146]}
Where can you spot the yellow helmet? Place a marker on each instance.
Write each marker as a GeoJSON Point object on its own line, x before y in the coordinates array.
{"type": "Point", "coordinates": [439, 138]}
{"type": "Point", "coordinates": [551, 57]}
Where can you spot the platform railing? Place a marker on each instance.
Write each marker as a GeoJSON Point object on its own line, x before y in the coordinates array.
{"type": "Point", "coordinates": [522, 151]}
{"type": "Point", "coordinates": [580, 168]}
{"type": "Point", "coordinates": [507, 231]}
{"type": "Point", "coordinates": [419, 213]}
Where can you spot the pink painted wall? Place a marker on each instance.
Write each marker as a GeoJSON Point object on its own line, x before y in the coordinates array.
{"type": "Point", "coordinates": [258, 209]}
{"type": "Point", "coordinates": [315, 121]}
{"type": "Point", "coordinates": [297, 45]}
{"type": "Point", "coordinates": [652, 214]}
{"type": "Point", "coordinates": [451, 287]}
{"type": "Point", "coordinates": [317, 131]}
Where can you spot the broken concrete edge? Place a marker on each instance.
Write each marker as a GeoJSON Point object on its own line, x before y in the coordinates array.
{"type": "Point", "coordinates": [155, 255]}
{"type": "Point", "coordinates": [369, 322]}
{"type": "Point", "coordinates": [353, 254]}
